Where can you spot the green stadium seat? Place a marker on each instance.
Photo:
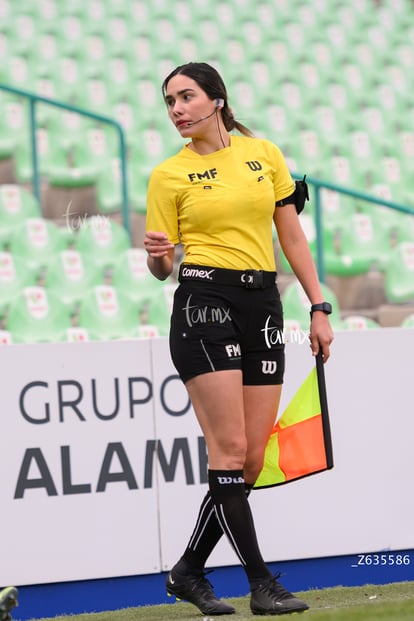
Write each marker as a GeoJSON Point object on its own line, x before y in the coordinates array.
{"type": "Point", "coordinates": [95, 51]}
{"type": "Point", "coordinates": [109, 188]}
{"type": "Point", "coordinates": [101, 241]}
{"type": "Point", "coordinates": [364, 244]}
{"type": "Point", "coordinates": [23, 162]}
{"type": "Point", "coordinates": [296, 306]}
{"type": "Point", "coordinates": [69, 76]}
{"type": "Point", "coordinates": [107, 313]}
{"type": "Point", "coordinates": [147, 331]}
{"type": "Point", "coordinates": [359, 322]}
{"type": "Point", "coordinates": [37, 317]}
{"type": "Point", "coordinates": [389, 179]}
{"type": "Point", "coordinates": [118, 31]}
{"type": "Point", "coordinates": [37, 242]}
{"type": "Point", "coordinates": [14, 276]}
{"type": "Point", "coordinates": [75, 334]}
{"type": "Point", "coordinates": [119, 75]}
{"type": "Point", "coordinates": [5, 337]}
{"type": "Point", "coordinates": [160, 307]}
{"type": "Point", "coordinates": [17, 71]}
{"type": "Point", "coordinates": [328, 239]}
{"type": "Point", "coordinates": [72, 166]}
{"type": "Point", "coordinates": [404, 228]}
{"type": "Point", "coordinates": [359, 148]}
{"type": "Point", "coordinates": [132, 277]}
{"type": "Point", "coordinates": [70, 277]}
{"type": "Point", "coordinates": [147, 152]}
{"type": "Point", "coordinates": [14, 127]}
{"type": "Point", "coordinates": [67, 128]}
{"type": "Point", "coordinates": [7, 138]}
{"type": "Point", "coordinates": [16, 206]}
{"type": "Point", "coordinates": [399, 276]}
{"type": "Point", "coordinates": [71, 30]}
{"type": "Point", "coordinates": [405, 149]}
{"type": "Point", "coordinates": [96, 95]}
{"type": "Point", "coordinates": [127, 116]}
{"type": "Point", "coordinates": [408, 322]}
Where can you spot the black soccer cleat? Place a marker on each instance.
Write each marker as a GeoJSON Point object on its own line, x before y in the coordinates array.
{"type": "Point", "coordinates": [271, 598]}
{"type": "Point", "coordinates": [8, 600]}
{"type": "Point", "coordinates": [196, 589]}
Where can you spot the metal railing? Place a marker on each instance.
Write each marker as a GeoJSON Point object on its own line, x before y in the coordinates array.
{"type": "Point", "coordinates": [318, 184]}
{"type": "Point", "coordinates": [33, 100]}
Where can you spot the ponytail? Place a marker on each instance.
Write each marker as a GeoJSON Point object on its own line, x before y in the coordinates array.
{"type": "Point", "coordinates": [230, 122]}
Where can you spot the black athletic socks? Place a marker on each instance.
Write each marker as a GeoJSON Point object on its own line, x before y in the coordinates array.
{"type": "Point", "coordinates": [233, 513]}
{"type": "Point", "coordinates": [207, 533]}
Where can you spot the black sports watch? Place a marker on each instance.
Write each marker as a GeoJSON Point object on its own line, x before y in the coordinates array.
{"type": "Point", "coordinates": [325, 307]}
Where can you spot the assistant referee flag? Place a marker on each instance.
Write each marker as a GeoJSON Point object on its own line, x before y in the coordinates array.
{"type": "Point", "coordinates": [300, 443]}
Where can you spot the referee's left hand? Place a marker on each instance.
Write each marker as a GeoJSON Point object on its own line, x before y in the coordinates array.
{"type": "Point", "coordinates": [321, 335]}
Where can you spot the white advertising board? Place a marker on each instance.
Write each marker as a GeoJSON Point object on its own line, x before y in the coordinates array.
{"type": "Point", "coordinates": [76, 423]}
{"type": "Point", "coordinates": [103, 466]}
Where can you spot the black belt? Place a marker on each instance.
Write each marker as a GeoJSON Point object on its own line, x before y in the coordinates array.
{"type": "Point", "coordinates": [249, 279]}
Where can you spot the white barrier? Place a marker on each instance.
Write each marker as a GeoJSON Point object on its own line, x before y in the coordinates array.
{"type": "Point", "coordinates": [103, 464]}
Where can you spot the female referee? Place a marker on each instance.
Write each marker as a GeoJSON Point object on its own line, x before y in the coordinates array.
{"type": "Point", "coordinates": [218, 196]}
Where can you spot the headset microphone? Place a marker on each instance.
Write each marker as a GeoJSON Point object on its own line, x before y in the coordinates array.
{"type": "Point", "coordinates": [219, 104]}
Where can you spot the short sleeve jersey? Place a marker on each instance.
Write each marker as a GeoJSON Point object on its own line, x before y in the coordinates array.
{"type": "Point", "coordinates": [220, 206]}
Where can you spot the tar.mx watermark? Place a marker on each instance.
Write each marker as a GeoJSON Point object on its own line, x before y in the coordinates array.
{"type": "Point", "coordinates": [75, 221]}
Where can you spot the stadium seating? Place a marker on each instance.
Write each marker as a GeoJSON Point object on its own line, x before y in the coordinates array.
{"type": "Point", "coordinates": [296, 306]}
{"type": "Point", "coordinates": [70, 277]}
{"type": "Point", "coordinates": [108, 314]}
{"type": "Point", "coordinates": [408, 322]}
{"type": "Point", "coordinates": [399, 277]}
{"type": "Point", "coordinates": [16, 206]}
{"type": "Point", "coordinates": [14, 276]}
{"type": "Point", "coordinates": [339, 101]}
{"type": "Point", "coordinates": [159, 308]}
{"type": "Point", "coordinates": [37, 242]}
{"type": "Point", "coordinates": [101, 241]}
{"type": "Point", "coordinates": [36, 316]}
{"type": "Point", "coordinates": [359, 322]}
{"type": "Point", "coordinates": [131, 276]}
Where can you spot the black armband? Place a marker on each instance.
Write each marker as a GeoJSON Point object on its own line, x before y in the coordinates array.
{"type": "Point", "coordinates": [299, 196]}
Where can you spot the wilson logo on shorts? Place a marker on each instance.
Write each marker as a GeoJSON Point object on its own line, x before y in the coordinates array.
{"type": "Point", "coordinates": [269, 367]}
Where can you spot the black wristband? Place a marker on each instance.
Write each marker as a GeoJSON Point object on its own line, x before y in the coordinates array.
{"type": "Point", "coordinates": [325, 307]}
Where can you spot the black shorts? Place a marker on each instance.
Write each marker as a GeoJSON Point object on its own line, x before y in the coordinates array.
{"type": "Point", "coordinates": [216, 327]}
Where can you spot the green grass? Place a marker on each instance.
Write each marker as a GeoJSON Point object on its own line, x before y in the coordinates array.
{"type": "Point", "coordinates": [391, 602]}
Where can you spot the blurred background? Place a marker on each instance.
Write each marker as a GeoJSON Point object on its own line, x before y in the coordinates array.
{"type": "Point", "coordinates": [330, 82]}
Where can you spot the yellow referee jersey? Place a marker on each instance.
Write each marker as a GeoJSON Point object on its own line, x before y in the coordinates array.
{"type": "Point", "coordinates": [220, 206]}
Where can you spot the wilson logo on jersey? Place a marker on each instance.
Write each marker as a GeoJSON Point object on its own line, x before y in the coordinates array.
{"type": "Point", "coordinates": [269, 367]}
{"type": "Point", "coordinates": [254, 165]}
{"type": "Point", "coordinates": [207, 174]}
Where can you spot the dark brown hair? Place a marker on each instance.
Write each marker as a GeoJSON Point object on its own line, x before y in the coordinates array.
{"type": "Point", "coordinates": [211, 82]}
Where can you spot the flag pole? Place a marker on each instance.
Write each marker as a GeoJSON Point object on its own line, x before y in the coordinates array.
{"type": "Point", "coordinates": [320, 372]}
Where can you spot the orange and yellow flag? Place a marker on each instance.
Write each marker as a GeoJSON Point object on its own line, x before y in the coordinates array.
{"type": "Point", "coordinates": [300, 443]}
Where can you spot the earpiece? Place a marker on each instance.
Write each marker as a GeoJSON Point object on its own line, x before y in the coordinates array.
{"type": "Point", "coordinates": [219, 103]}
